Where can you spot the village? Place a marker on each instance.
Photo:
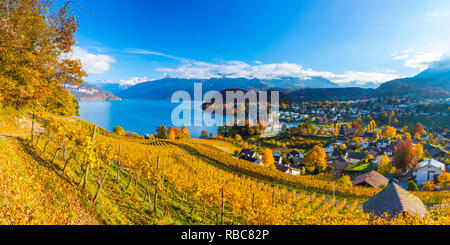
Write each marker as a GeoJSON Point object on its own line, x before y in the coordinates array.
{"type": "Point", "coordinates": [337, 111]}
{"type": "Point", "coordinates": [360, 151]}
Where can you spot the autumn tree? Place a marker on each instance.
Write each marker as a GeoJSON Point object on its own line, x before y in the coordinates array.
{"type": "Point", "coordinates": [171, 135]}
{"type": "Point", "coordinates": [444, 179]}
{"type": "Point", "coordinates": [237, 137]}
{"type": "Point", "coordinates": [389, 132]}
{"type": "Point", "coordinates": [407, 136]}
{"type": "Point", "coordinates": [316, 158]}
{"type": "Point", "coordinates": [404, 157]}
{"type": "Point", "coordinates": [428, 186]}
{"type": "Point", "coordinates": [161, 132]}
{"type": "Point", "coordinates": [419, 129]}
{"type": "Point", "coordinates": [384, 166]}
{"type": "Point", "coordinates": [345, 180]}
{"type": "Point", "coordinates": [119, 130]}
{"type": "Point", "coordinates": [185, 133]}
{"type": "Point", "coordinates": [268, 159]}
{"type": "Point", "coordinates": [371, 127]}
{"type": "Point", "coordinates": [204, 134]}
{"type": "Point", "coordinates": [36, 41]}
{"type": "Point", "coordinates": [418, 151]}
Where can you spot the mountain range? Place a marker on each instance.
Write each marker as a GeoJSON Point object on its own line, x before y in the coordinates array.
{"type": "Point", "coordinates": [435, 81]}
{"type": "Point", "coordinates": [89, 92]}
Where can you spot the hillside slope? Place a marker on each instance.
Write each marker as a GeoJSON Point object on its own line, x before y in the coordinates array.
{"type": "Point", "coordinates": [31, 193]}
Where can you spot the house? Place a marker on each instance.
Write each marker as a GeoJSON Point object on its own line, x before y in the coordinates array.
{"type": "Point", "coordinates": [247, 153]}
{"type": "Point", "coordinates": [351, 131]}
{"type": "Point", "coordinates": [288, 170]}
{"type": "Point", "coordinates": [382, 143]}
{"type": "Point", "coordinates": [341, 139]}
{"type": "Point", "coordinates": [295, 155]}
{"type": "Point", "coordinates": [278, 158]}
{"type": "Point", "coordinates": [340, 164]}
{"type": "Point", "coordinates": [436, 152]}
{"type": "Point", "coordinates": [447, 148]}
{"type": "Point", "coordinates": [394, 200]}
{"type": "Point", "coordinates": [250, 155]}
{"type": "Point", "coordinates": [387, 150]}
{"type": "Point", "coordinates": [427, 147]}
{"type": "Point", "coordinates": [355, 157]}
{"type": "Point", "coordinates": [329, 150]}
{"type": "Point", "coordinates": [426, 170]}
{"type": "Point", "coordinates": [372, 178]}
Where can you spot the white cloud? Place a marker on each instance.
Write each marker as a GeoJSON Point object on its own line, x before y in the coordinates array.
{"type": "Point", "coordinates": [234, 69]}
{"type": "Point", "coordinates": [432, 14]}
{"type": "Point", "coordinates": [149, 52]}
{"type": "Point", "coordinates": [420, 59]}
{"type": "Point", "coordinates": [93, 63]}
{"type": "Point", "coordinates": [133, 81]}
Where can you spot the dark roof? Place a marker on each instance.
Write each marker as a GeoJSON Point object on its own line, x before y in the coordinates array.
{"type": "Point", "coordinates": [370, 135]}
{"type": "Point", "coordinates": [426, 147]}
{"type": "Point", "coordinates": [248, 158]}
{"type": "Point", "coordinates": [341, 138]}
{"type": "Point", "coordinates": [294, 152]}
{"type": "Point", "coordinates": [360, 134]}
{"type": "Point", "coordinates": [247, 152]}
{"type": "Point", "coordinates": [383, 141]}
{"type": "Point", "coordinates": [447, 148]}
{"type": "Point", "coordinates": [340, 163]}
{"type": "Point", "coordinates": [357, 155]}
{"type": "Point", "coordinates": [436, 151]}
{"type": "Point", "coordinates": [285, 168]}
{"type": "Point", "coordinates": [394, 200]}
{"type": "Point", "coordinates": [372, 178]}
{"type": "Point", "coordinates": [373, 152]}
{"type": "Point", "coordinates": [281, 167]}
{"type": "Point", "coordinates": [351, 131]}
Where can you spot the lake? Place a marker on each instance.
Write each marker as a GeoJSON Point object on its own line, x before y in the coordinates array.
{"type": "Point", "coordinates": [140, 116]}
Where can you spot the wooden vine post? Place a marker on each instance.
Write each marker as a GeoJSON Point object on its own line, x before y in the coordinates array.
{"type": "Point", "coordinates": [222, 208]}
{"type": "Point", "coordinates": [118, 164]}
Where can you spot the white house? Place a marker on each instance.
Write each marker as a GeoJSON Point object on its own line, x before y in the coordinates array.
{"type": "Point", "coordinates": [288, 170]}
{"type": "Point", "coordinates": [328, 150]}
{"type": "Point", "coordinates": [426, 170]}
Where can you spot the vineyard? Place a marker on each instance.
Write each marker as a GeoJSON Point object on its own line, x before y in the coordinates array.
{"type": "Point", "coordinates": [309, 182]}
{"type": "Point", "coordinates": [92, 176]}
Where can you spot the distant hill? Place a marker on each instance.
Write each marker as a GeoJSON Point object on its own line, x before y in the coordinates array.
{"type": "Point", "coordinates": [113, 88]}
{"type": "Point", "coordinates": [164, 88]}
{"type": "Point", "coordinates": [319, 94]}
{"type": "Point", "coordinates": [422, 86]}
{"type": "Point", "coordinates": [435, 81]}
{"type": "Point", "coordinates": [439, 70]}
{"type": "Point", "coordinates": [89, 92]}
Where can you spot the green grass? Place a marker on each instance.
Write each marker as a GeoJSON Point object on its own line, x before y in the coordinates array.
{"type": "Point", "coordinates": [360, 167]}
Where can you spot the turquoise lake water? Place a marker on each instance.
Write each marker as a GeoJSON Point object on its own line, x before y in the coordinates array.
{"type": "Point", "coordinates": [140, 116]}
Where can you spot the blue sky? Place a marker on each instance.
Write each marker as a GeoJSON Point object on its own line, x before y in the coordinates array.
{"type": "Point", "coordinates": [342, 40]}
